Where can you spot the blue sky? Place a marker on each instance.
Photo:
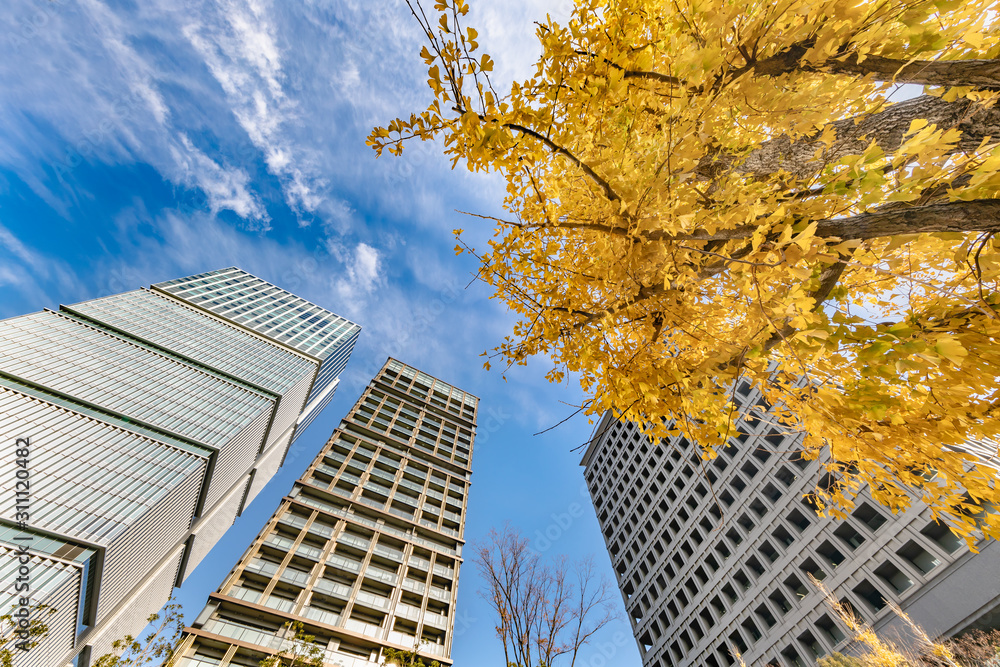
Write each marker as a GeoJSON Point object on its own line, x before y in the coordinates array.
{"type": "Point", "coordinates": [142, 141]}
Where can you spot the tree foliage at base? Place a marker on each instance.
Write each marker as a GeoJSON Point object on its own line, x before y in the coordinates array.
{"type": "Point", "coordinates": [156, 648]}
{"type": "Point", "coordinates": [839, 660]}
{"type": "Point", "coordinates": [301, 651]}
{"type": "Point", "coordinates": [400, 658]}
{"type": "Point", "coordinates": [37, 629]}
{"type": "Point", "coordinates": [701, 192]}
{"type": "Point", "coordinates": [913, 647]}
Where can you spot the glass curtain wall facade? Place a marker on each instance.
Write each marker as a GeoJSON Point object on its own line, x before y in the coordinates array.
{"type": "Point", "coordinates": [148, 423]}
{"type": "Point", "coordinates": [365, 551]}
{"type": "Point", "coordinates": [714, 557]}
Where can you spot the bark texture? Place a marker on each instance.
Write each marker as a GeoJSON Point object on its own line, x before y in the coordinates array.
{"type": "Point", "coordinates": [980, 215]}
{"type": "Point", "coordinates": [983, 74]}
{"type": "Point", "coordinates": [853, 135]}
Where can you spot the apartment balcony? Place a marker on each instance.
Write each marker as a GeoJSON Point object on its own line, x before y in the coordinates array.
{"type": "Point", "coordinates": [295, 577]}
{"type": "Point", "coordinates": [279, 604]}
{"type": "Point", "coordinates": [412, 486]}
{"type": "Point", "coordinates": [261, 567]}
{"type": "Point", "coordinates": [402, 514]}
{"type": "Point", "coordinates": [327, 470]}
{"type": "Point", "coordinates": [381, 474]}
{"type": "Point", "coordinates": [407, 500]}
{"type": "Point", "coordinates": [377, 504]}
{"type": "Point", "coordinates": [444, 571]}
{"type": "Point", "coordinates": [421, 564]}
{"type": "Point", "coordinates": [408, 612]}
{"type": "Point", "coordinates": [278, 542]}
{"type": "Point", "coordinates": [272, 641]}
{"type": "Point", "coordinates": [371, 600]}
{"type": "Point", "coordinates": [354, 541]}
{"type": "Point", "coordinates": [332, 588]}
{"type": "Point", "coordinates": [440, 594]}
{"type": "Point", "coordinates": [401, 638]}
{"type": "Point", "coordinates": [350, 478]}
{"type": "Point", "coordinates": [367, 629]}
{"type": "Point", "coordinates": [433, 649]}
{"type": "Point", "coordinates": [439, 621]}
{"type": "Point", "coordinates": [245, 594]}
{"type": "Point", "coordinates": [375, 487]}
{"type": "Point", "coordinates": [309, 551]}
{"type": "Point", "coordinates": [414, 586]}
{"type": "Point", "coordinates": [292, 520]}
{"type": "Point", "coordinates": [384, 576]}
{"type": "Point", "coordinates": [389, 553]}
{"type": "Point", "coordinates": [321, 615]}
{"type": "Point", "coordinates": [342, 563]}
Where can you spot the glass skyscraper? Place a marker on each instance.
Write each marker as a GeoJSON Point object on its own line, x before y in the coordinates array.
{"type": "Point", "coordinates": [365, 550]}
{"type": "Point", "coordinates": [144, 423]}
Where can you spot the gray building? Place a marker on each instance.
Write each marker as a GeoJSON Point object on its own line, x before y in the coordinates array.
{"type": "Point", "coordinates": [147, 421]}
{"type": "Point", "coordinates": [365, 550]}
{"type": "Point", "coordinates": [713, 556]}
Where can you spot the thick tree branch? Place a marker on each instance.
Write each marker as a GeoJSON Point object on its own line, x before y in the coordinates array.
{"type": "Point", "coordinates": [980, 215]}
{"type": "Point", "coordinates": [853, 135]}
{"type": "Point", "coordinates": [983, 74]}
{"type": "Point", "coordinates": [975, 73]}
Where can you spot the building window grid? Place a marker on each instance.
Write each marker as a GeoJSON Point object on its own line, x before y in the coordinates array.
{"type": "Point", "coordinates": [370, 566]}
{"type": "Point", "coordinates": [395, 417]}
{"type": "Point", "coordinates": [793, 486]}
{"type": "Point", "coordinates": [448, 505]}
{"type": "Point", "coordinates": [151, 315]}
{"type": "Point", "coordinates": [437, 602]}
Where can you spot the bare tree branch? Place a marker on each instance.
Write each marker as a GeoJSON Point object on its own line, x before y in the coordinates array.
{"type": "Point", "coordinates": [544, 612]}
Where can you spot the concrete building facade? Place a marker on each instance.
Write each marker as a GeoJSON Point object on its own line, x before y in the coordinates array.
{"type": "Point", "coordinates": [145, 422]}
{"type": "Point", "coordinates": [714, 557]}
{"type": "Point", "coordinates": [365, 550]}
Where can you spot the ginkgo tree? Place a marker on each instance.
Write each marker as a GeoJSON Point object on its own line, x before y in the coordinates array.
{"type": "Point", "coordinates": [706, 192]}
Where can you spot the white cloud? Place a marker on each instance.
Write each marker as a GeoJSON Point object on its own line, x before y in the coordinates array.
{"type": "Point", "coordinates": [359, 277]}
{"type": "Point", "coordinates": [225, 188]}
{"type": "Point", "coordinates": [239, 46]}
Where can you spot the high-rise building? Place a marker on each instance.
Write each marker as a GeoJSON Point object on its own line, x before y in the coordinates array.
{"type": "Point", "coordinates": [714, 557]}
{"type": "Point", "coordinates": [365, 551]}
{"type": "Point", "coordinates": [140, 425]}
